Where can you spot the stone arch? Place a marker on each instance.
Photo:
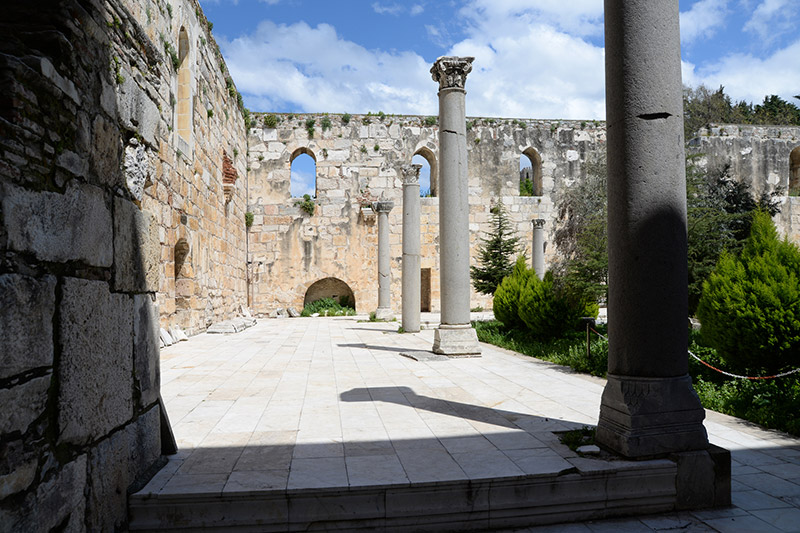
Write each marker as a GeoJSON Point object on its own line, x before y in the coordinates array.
{"type": "Point", "coordinates": [532, 173]}
{"type": "Point", "coordinates": [296, 185]}
{"type": "Point", "coordinates": [430, 157]}
{"type": "Point", "coordinates": [184, 283]}
{"type": "Point", "coordinates": [184, 101]}
{"type": "Point", "coordinates": [794, 172]}
{"type": "Point", "coordinates": [330, 288]}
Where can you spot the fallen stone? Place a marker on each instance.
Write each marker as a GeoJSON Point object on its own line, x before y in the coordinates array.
{"type": "Point", "coordinates": [294, 313]}
{"type": "Point", "coordinates": [166, 338]}
{"type": "Point", "coordinates": [279, 313]}
{"type": "Point", "coordinates": [238, 324]}
{"type": "Point", "coordinates": [177, 334]}
{"type": "Point", "coordinates": [588, 449]}
{"type": "Point", "coordinates": [226, 326]}
{"type": "Point", "coordinates": [422, 355]}
{"type": "Point", "coordinates": [245, 311]}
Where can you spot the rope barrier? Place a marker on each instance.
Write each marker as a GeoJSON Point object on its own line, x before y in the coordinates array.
{"type": "Point", "coordinates": [729, 374]}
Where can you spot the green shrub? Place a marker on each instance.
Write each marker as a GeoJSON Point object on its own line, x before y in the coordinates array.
{"type": "Point", "coordinates": [431, 121]}
{"type": "Point", "coordinates": [327, 307]}
{"type": "Point", "coordinates": [550, 310]}
{"type": "Point", "coordinates": [270, 121]}
{"type": "Point", "coordinates": [506, 297]}
{"type": "Point", "coordinates": [346, 118]}
{"type": "Point", "coordinates": [750, 306]}
{"type": "Point", "coordinates": [307, 205]}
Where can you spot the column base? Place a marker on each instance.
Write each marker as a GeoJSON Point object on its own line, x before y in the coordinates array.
{"type": "Point", "coordinates": [649, 417]}
{"type": "Point", "coordinates": [384, 313]}
{"type": "Point", "coordinates": [456, 340]}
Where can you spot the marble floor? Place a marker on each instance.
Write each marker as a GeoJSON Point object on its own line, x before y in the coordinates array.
{"type": "Point", "coordinates": [331, 402]}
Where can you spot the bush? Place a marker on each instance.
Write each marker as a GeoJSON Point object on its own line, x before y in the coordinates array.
{"type": "Point", "coordinates": [327, 307]}
{"type": "Point", "coordinates": [550, 310]}
{"type": "Point", "coordinates": [750, 307]}
{"type": "Point", "coordinates": [506, 297]}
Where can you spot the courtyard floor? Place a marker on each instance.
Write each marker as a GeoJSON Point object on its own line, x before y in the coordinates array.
{"type": "Point", "coordinates": [330, 402]}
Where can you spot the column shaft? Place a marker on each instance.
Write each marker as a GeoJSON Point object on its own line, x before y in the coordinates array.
{"type": "Point", "coordinates": [454, 336]}
{"type": "Point", "coordinates": [384, 311]}
{"type": "Point", "coordinates": [538, 247]}
{"type": "Point", "coordinates": [648, 406]}
{"type": "Point", "coordinates": [411, 249]}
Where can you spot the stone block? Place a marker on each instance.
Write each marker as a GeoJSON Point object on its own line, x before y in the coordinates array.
{"type": "Point", "coordinates": [137, 111]}
{"type": "Point", "coordinates": [74, 226]}
{"type": "Point", "coordinates": [23, 404]}
{"type": "Point", "coordinates": [57, 502]}
{"type": "Point", "coordinates": [137, 249]}
{"type": "Point", "coordinates": [146, 349]}
{"type": "Point", "coordinates": [26, 323]}
{"type": "Point", "coordinates": [96, 389]}
{"type": "Point", "coordinates": [18, 462]}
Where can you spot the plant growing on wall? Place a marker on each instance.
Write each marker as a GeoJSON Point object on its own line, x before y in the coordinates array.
{"type": "Point", "coordinates": [248, 219]}
{"type": "Point", "coordinates": [346, 118]}
{"type": "Point", "coordinates": [307, 204]}
{"type": "Point", "coordinates": [325, 123]}
{"type": "Point", "coordinates": [270, 121]}
{"type": "Point", "coordinates": [431, 121]}
{"type": "Point", "coordinates": [310, 127]}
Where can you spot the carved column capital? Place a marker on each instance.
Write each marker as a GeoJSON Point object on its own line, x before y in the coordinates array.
{"type": "Point", "coordinates": [411, 174]}
{"type": "Point", "coordinates": [451, 72]}
{"type": "Point", "coordinates": [538, 223]}
{"type": "Point", "coordinates": [382, 206]}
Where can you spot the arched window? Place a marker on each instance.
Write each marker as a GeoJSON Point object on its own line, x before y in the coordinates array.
{"type": "Point", "coordinates": [794, 172]}
{"type": "Point", "coordinates": [303, 179]}
{"type": "Point", "coordinates": [330, 288]}
{"type": "Point", "coordinates": [429, 173]}
{"type": "Point", "coordinates": [184, 86]}
{"type": "Point", "coordinates": [424, 175]}
{"type": "Point", "coordinates": [530, 173]}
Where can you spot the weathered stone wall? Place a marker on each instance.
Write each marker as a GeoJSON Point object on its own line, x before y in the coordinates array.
{"type": "Point", "coordinates": [290, 250]}
{"type": "Point", "coordinates": [759, 156]}
{"type": "Point", "coordinates": [96, 187]}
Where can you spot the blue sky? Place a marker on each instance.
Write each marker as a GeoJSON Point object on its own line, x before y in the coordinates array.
{"type": "Point", "coordinates": [534, 58]}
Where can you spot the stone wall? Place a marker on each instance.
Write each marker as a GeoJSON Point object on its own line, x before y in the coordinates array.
{"type": "Point", "coordinates": [96, 189]}
{"type": "Point", "coordinates": [760, 156]}
{"type": "Point", "coordinates": [361, 159]}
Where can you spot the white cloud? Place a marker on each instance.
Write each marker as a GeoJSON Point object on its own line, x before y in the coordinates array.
{"type": "Point", "coordinates": [387, 9]}
{"type": "Point", "coordinates": [316, 70]}
{"type": "Point", "coordinates": [770, 18]}
{"type": "Point", "coordinates": [703, 19]}
{"type": "Point", "coordinates": [416, 9]}
{"type": "Point", "coordinates": [750, 78]}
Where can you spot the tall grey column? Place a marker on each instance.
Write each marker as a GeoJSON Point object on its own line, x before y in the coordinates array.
{"type": "Point", "coordinates": [538, 247]}
{"type": "Point", "coordinates": [384, 311]}
{"type": "Point", "coordinates": [454, 336]}
{"type": "Point", "coordinates": [648, 406]}
{"type": "Point", "coordinates": [411, 248]}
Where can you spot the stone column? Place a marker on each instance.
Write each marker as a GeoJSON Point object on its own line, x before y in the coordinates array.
{"type": "Point", "coordinates": [384, 311]}
{"type": "Point", "coordinates": [454, 336]}
{"type": "Point", "coordinates": [411, 248]}
{"type": "Point", "coordinates": [538, 247]}
{"type": "Point", "coordinates": [648, 406]}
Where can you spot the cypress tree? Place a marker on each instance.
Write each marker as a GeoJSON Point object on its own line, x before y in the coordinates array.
{"type": "Point", "coordinates": [495, 255]}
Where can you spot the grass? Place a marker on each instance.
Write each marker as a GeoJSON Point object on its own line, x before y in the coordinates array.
{"type": "Point", "coordinates": [327, 307]}
{"type": "Point", "coordinates": [769, 403]}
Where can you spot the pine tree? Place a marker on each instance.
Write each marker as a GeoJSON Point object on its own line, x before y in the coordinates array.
{"type": "Point", "coordinates": [495, 255]}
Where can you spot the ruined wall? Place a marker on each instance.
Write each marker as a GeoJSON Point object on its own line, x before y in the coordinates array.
{"type": "Point", "coordinates": [95, 189]}
{"type": "Point", "coordinates": [361, 159]}
{"type": "Point", "coordinates": [764, 157]}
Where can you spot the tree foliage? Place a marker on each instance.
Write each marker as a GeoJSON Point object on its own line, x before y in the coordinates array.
{"type": "Point", "coordinates": [720, 211]}
{"type": "Point", "coordinates": [750, 307]}
{"type": "Point", "coordinates": [506, 297]}
{"type": "Point", "coordinates": [702, 106]}
{"type": "Point", "coordinates": [550, 309]}
{"type": "Point", "coordinates": [581, 235]}
{"type": "Point", "coordinates": [496, 252]}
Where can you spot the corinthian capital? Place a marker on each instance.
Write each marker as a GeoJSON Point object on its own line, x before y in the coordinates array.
{"type": "Point", "coordinates": [411, 173]}
{"type": "Point", "coordinates": [451, 72]}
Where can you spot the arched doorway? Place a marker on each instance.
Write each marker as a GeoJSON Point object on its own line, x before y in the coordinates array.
{"type": "Point", "coordinates": [330, 288]}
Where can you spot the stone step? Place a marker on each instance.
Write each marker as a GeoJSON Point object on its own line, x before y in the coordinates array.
{"type": "Point", "coordinates": [595, 489]}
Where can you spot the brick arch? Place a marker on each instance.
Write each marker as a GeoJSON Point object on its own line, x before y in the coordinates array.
{"type": "Point", "coordinates": [430, 157]}
{"type": "Point", "coordinates": [535, 174]}
{"type": "Point", "coordinates": [330, 288]}
{"type": "Point", "coordinates": [794, 172]}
